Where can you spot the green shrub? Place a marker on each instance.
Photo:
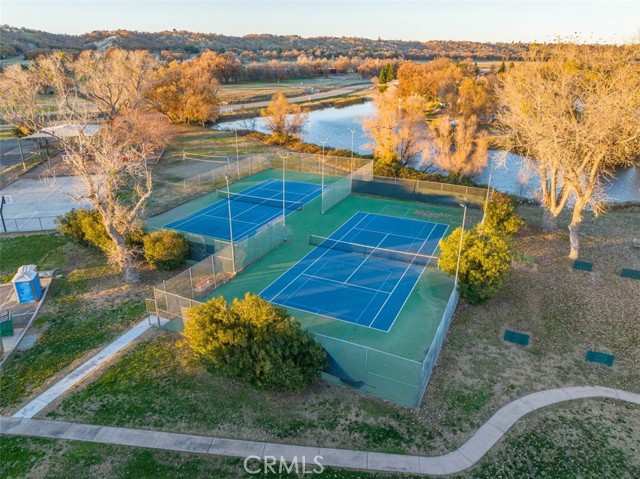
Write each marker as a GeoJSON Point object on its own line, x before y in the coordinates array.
{"type": "Point", "coordinates": [94, 230]}
{"type": "Point", "coordinates": [501, 217]}
{"type": "Point", "coordinates": [165, 249]}
{"type": "Point", "coordinates": [85, 227]}
{"type": "Point", "coordinates": [484, 263]}
{"type": "Point", "coordinates": [253, 341]}
{"type": "Point", "coordinates": [70, 226]}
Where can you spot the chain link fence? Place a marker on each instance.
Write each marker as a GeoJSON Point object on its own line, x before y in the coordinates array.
{"type": "Point", "coordinates": [28, 225]}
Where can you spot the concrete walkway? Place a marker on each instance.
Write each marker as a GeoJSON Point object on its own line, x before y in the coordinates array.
{"type": "Point", "coordinates": [82, 371]}
{"type": "Point", "coordinates": [459, 460]}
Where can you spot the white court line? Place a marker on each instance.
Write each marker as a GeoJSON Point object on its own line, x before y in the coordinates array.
{"type": "Point", "coordinates": [416, 283]}
{"type": "Point", "coordinates": [344, 283]}
{"type": "Point", "coordinates": [214, 206]}
{"type": "Point", "coordinates": [367, 257]}
{"type": "Point", "coordinates": [314, 261]}
{"type": "Point", "coordinates": [317, 189]}
{"type": "Point", "coordinates": [400, 280]}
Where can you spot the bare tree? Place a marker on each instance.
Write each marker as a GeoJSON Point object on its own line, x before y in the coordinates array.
{"type": "Point", "coordinates": [573, 112]}
{"type": "Point", "coordinates": [396, 129]}
{"type": "Point", "coordinates": [20, 89]}
{"type": "Point", "coordinates": [112, 164]}
{"type": "Point", "coordinates": [112, 161]}
{"type": "Point", "coordinates": [283, 119]}
{"type": "Point", "coordinates": [115, 80]}
{"type": "Point", "coordinates": [457, 147]}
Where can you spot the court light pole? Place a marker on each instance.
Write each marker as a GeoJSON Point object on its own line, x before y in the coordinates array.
{"type": "Point", "coordinates": [233, 252]}
{"type": "Point", "coordinates": [284, 207]}
{"type": "Point", "coordinates": [237, 155]}
{"type": "Point", "coordinates": [353, 132]}
{"type": "Point", "coordinates": [464, 217]}
{"type": "Point", "coordinates": [324, 142]}
{"type": "Point", "coordinates": [486, 200]}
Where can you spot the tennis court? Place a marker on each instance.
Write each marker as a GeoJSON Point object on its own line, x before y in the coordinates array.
{"type": "Point", "coordinates": [363, 273]}
{"type": "Point", "coordinates": [251, 209]}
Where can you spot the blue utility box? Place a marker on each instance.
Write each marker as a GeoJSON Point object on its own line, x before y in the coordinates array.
{"type": "Point", "coordinates": [27, 285]}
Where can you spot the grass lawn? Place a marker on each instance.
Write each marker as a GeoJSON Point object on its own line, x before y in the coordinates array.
{"type": "Point", "coordinates": [157, 385]}
{"type": "Point", "coordinates": [588, 439]}
{"type": "Point", "coordinates": [46, 251]}
{"type": "Point", "coordinates": [87, 307]}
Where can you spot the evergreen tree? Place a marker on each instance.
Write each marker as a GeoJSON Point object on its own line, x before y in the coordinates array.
{"type": "Point", "coordinates": [382, 78]}
{"type": "Point", "coordinates": [503, 68]}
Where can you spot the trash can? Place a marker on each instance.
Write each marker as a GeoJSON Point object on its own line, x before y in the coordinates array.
{"type": "Point", "coordinates": [26, 284]}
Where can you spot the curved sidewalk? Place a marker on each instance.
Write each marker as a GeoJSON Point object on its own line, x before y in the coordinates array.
{"type": "Point", "coordinates": [462, 458]}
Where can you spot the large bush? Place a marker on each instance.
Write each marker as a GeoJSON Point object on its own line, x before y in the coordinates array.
{"type": "Point", "coordinates": [484, 263]}
{"type": "Point", "coordinates": [501, 217]}
{"type": "Point", "coordinates": [165, 249]}
{"type": "Point", "coordinates": [253, 341]}
{"type": "Point", "coordinates": [85, 227]}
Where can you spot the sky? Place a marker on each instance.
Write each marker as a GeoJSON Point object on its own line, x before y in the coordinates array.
{"type": "Point", "coordinates": [610, 21]}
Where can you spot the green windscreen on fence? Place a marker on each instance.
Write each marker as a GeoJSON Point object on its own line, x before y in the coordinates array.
{"type": "Point", "coordinates": [516, 337]}
{"type": "Point", "coordinates": [600, 358]}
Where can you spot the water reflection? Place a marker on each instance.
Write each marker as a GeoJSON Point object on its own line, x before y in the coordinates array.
{"type": "Point", "coordinates": [508, 173]}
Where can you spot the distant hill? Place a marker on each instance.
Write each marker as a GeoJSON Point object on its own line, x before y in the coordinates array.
{"type": "Point", "coordinates": [16, 41]}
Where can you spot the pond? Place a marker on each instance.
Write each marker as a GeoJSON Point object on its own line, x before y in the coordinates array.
{"type": "Point", "coordinates": [333, 126]}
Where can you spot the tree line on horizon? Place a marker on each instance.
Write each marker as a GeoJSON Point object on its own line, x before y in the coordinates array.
{"type": "Point", "coordinates": [29, 42]}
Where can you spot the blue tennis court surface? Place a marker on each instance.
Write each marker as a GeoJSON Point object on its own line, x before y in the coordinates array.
{"type": "Point", "coordinates": [363, 273]}
{"type": "Point", "coordinates": [261, 205]}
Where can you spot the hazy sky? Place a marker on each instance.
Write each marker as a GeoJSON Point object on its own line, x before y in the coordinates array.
{"type": "Point", "coordinates": [494, 20]}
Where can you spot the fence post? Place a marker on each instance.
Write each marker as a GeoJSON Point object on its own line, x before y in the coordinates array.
{"type": "Point", "coordinates": [184, 184]}
{"type": "Point", "coordinates": [366, 364]}
{"type": "Point", "coordinates": [193, 292]}
{"type": "Point", "coordinates": [40, 221]}
{"type": "Point", "coordinates": [213, 268]}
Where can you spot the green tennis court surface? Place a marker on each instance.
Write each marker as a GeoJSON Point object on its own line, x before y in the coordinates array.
{"type": "Point", "coordinates": [363, 273]}
{"type": "Point", "coordinates": [394, 365]}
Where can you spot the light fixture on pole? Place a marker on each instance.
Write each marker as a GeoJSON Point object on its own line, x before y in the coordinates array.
{"type": "Point", "coordinates": [233, 252]}
{"type": "Point", "coordinates": [284, 207]}
{"type": "Point", "coordinates": [464, 217]}
{"type": "Point", "coordinates": [324, 142]}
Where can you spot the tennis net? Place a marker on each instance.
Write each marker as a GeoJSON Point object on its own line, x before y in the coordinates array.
{"type": "Point", "coordinates": [258, 200]}
{"type": "Point", "coordinates": [368, 250]}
